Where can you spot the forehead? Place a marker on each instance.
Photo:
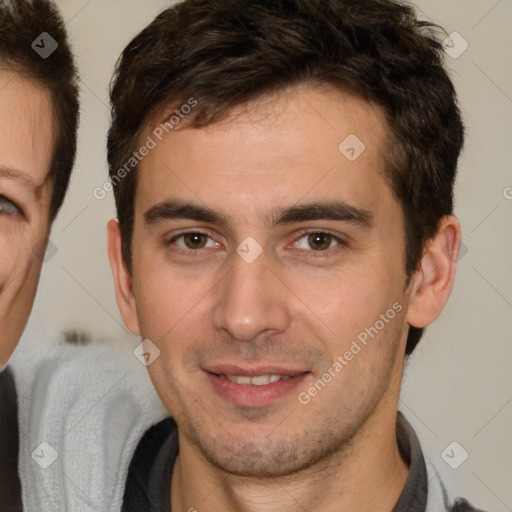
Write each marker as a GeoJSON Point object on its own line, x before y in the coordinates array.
{"type": "Point", "coordinates": [302, 144]}
{"type": "Point", "coordinates": [26, 130]}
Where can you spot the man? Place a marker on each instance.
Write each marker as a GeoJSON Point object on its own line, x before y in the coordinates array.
{"type": "Point", "coordinates": [283, 174]}
{"type": "Point", "coordinates": [39, 112]}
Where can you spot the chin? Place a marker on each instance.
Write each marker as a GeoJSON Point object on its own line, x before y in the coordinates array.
{"type": "Point", "coordinates": [250, 461]}
{"type": "Point", "coordinates": [266, 457]}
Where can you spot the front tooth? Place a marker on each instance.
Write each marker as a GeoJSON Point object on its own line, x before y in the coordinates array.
{"type": "Point", "coordinates": [260, 380]}
{"type": "Point", "coordinates": [239, 379]}
{"type": "Point", "coordinates": [257, 380]}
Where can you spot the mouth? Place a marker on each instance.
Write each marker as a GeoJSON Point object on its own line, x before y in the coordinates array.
{"type": "Point", "coordinates": [257, 380]}
{"type": "Point", "coordinates": [253, 387]}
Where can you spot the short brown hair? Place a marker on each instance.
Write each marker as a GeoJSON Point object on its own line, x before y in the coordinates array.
{"type": "Point", "coordinates": [225, 53]}
{"type": "Point", "coordinates": [22, 22]}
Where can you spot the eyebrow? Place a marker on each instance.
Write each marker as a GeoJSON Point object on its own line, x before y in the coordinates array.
{"type": "Point", "coordinates": [169, 210]}
{"type": "Point", "coordinates": [331, 210]}
{"type": "Point", "coordinates": [18, 176]}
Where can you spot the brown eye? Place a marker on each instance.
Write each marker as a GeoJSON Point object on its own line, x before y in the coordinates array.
{"type": "Point", "coordinates": [195, 240]}
{"type": "Point", "coordinates": [319, 241]}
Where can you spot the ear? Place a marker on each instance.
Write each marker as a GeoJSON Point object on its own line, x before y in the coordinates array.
{"type": "Point", "coordinates": [433, 281]}
{"type": "Point", "coordinates": [122, 279]}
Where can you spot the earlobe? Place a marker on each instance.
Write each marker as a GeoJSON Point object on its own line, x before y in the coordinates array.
{"type": "Point", "coordinates": [433, 281]}
{"type": "Point", "coordinates": [122, 279]}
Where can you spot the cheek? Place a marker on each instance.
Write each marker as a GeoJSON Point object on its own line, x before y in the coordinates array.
{"type": "Point", "coordinates": [165, 299]}
{"type": "Point", "coordinates": [22, 252]}
{"type": "Point", "coordinates": [18, 289]}
{"type": "Point", "coordinates": [348, 301]}
{"type": "Point", "coordinates": [15, 258]}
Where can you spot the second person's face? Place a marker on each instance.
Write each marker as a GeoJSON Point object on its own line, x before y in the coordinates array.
{"type": "Point", "coordinates": [26, 144]}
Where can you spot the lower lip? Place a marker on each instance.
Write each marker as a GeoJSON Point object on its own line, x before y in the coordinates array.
{"type": "Point", "coordinates": [247, 395]}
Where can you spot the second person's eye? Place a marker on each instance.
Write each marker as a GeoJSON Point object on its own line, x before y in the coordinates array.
{"type": "Point", "coordinates": [7, 207]}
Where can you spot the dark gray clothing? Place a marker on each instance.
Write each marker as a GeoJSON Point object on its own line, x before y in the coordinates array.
{"type": "Point", "coordinates": [149, 475]}
{"type": "Point", "coordinates": [10, 487]}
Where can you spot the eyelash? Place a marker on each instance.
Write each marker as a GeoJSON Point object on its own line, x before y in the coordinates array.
{"type": "Point", "coordinates": [312, 252]}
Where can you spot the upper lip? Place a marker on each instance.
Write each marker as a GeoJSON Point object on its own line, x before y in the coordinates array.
{"type": "Point", "coordinates": [253, 370]}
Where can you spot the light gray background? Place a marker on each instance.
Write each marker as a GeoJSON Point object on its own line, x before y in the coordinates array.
{"type": "Point", "coordinates": [458, 385]}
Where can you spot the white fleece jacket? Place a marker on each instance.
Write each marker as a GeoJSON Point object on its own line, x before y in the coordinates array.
{"type": "Point", "coordinates": [82, 411]}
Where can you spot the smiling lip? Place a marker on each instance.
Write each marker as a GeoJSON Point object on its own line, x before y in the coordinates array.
{"type": "Point", "coordinates": [252, 371]}
{"type": "Point", "coordinates": [249, 395]}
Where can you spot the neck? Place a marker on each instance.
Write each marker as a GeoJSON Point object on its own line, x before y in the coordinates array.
{"type": "Point", "coordinates": [368, 474]}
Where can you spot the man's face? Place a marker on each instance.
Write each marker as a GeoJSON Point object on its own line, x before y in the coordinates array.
{"type": "Point", "coordinates": [26, 143]}
{"type": "Point", "coordinates": [331, 237]}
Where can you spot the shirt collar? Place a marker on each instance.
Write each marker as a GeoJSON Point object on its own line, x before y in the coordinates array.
{"type": "Point", "coordinates": [415, 493]}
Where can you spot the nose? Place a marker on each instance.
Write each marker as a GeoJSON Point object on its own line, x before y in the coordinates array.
{"type": "Point", "coordinates": [251, 300]}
